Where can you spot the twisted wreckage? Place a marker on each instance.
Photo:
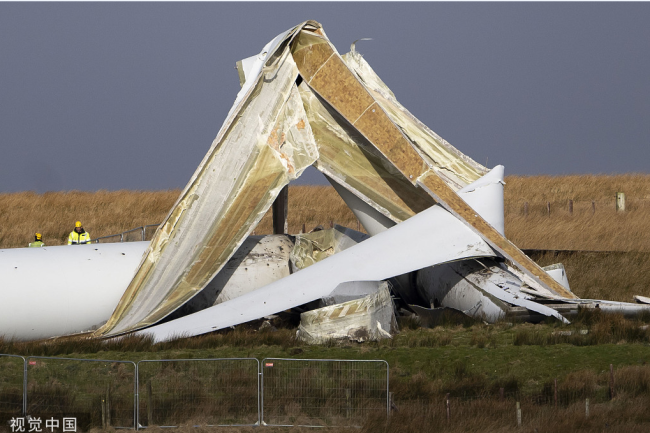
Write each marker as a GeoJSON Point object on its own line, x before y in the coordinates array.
{"type": "Point", "coordinates": [434, 219]}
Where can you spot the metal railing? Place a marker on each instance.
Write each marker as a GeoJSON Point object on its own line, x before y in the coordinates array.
{"type": "Point", "coordinates": [323, 392]}
{"type": "Point", "coordinates": [206, 392]}
{"type": "Point", "coordinates": [94, 391]}
{"type": "Point", "coordinates": [212, 392]}
{"type": "Point", "coordinates": [12, 385]}
{"type": "Point", "coordinates": [143, 233]}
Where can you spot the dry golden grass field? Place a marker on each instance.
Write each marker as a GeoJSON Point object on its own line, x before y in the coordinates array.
{"type": "Point", "coordinates": [594, 224]}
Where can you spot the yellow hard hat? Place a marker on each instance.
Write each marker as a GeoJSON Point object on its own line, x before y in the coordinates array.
{"type": "Point", "coordinates": [38, 236]}
{"type": "Point", "coordinates": [77, 224]}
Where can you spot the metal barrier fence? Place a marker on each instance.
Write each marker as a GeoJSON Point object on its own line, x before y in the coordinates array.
{"type": "Point", "coordinates": [322, 392]}
{"type": "Point", "coordinates": [212, 392]}
{"type": "Point", "coordinates": [12, 382]}
{"type": "Point", "coordinates": [222, 392]}
{"type": "Point", "coordinates": [144, 233]}
{"type": "Point", "coordinates": [97, 392]}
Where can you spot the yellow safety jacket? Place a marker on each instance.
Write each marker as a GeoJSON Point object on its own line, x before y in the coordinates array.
{"type": "Point", "coordinates": [78, 238]}
{"type": "Point", "coordinates": [36, 244]}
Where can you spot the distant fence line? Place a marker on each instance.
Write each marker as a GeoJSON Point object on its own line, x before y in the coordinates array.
{"type": "Point", "coordinates": [619, 203]}
{"type": "Point", "coordinates": [143, 233]}
{"type": "Point", "coordinates": [548, 208]}
{"type": "Point", "coordinates": [173, 392]}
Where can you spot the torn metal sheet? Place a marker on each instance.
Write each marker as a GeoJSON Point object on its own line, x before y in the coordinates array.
{"type": "Point", "coordinates": [558, 273]}
{"type": "Point", "coordinates": [313, 247]}
{"type": "Point", "coordinates": [265, 142]}
{"type": "Point", "coordinates": [259, 261]}
{"type": "Point", "coordinates": [327, 75]}
{"type": "Point", "coordinates": [479, 288]}
{"type": "Point", "coordinates": [627, 309]}
{"type": "Point", "coordinates": [348, 158]}
{"type": "Point", "coordinates": [351, 290]}
{"type": "Point", "coordinates": [423, 201]}
{"type": "Point", "coordinates": [403, 248]}
{"type": "Point", "coordinates": [370, 318]}
{"type": "Point", "coordinates": [169, 277]}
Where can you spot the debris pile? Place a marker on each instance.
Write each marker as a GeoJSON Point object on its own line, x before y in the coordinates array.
{"type": "Point", "coordinates": [433, 217]}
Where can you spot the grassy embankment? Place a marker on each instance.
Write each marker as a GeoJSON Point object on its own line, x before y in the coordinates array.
{"type": "Point", "coordinates": [471, 363]}
{"type": "Point", "coordinates": [426, 364]}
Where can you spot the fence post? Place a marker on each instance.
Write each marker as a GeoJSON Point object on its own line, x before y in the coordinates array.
{"type": "Point", "coordinates": [108, 405]}
{"type": "Point", "coordinates": [303, 228]}
{"type": "Point", "coordinates": [518, 415]}
{"type": "Point", "coordinates": [620, 202]}
{"type": "Point", "coordinates": [548, 208]}
{"type": "Point", "coordinates": [143, 228]}
{"type": "Point", "coordinates": [25, 362]}
{"type": "Point", "coordinates": [587, 408]}
{"type": "Point", "coordinates": [358, 226]}
{"type": "Point", "coordinates": [526, 209]}
{"type": "Point", "coordinates": [593, 207]}
{"type": "Point", "coordinates": [611, 381]}
{"type": "Point", "coordinates": [149, 405]}
{"type": "Point", "coordinates": [555, 393]}
{"type": "Point", "coordinates": [570, 207]}
{"type": "Point", "coordinates": [103, 413]}
{"type": "Point", "coordinates": [348, 408]}
{"type": "Point", "coordinates": [331, 224]}
{"type": "Point", "coordinates": [448, 408]}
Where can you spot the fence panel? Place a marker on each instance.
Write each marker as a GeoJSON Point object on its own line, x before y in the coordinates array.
{"type": "Point", "coordinates": [173, 392]}
{"type": "Point", "coordinates": [95, 392]}
{"type": "Point", "coordinates": [108, 239]}
{"type": "Point", "coordinates": [323, 392]}
{"type": "Point", "coordinates": [133, 235]}
{"type": "Point", "coordinates": [12, 370]}
{"type": "Point", "coordinates": [149, 231]}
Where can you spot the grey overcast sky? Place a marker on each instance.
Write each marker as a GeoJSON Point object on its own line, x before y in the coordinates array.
{"type": "Point", "coordinates": [131, 95]}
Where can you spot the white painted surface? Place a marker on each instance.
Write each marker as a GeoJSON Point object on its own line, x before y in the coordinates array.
{"type": "Point", "coordinates": [485, 196]}
{"type": "Point", "coordinates": [558, 273]}
{"type": "Point", "coordinates": [370, 218]}
{"type": "Point", "coordinates": [59, 290]}
{"type": "Point", "coordinates": [431, 237]}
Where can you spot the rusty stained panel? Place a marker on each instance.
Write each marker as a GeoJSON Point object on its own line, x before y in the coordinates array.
{"type": "Point", "coordinates": [457, 206]}
{"type": "Point", "coordinates": [382, 132]}
{"type": "Point", "coordinates": [344, 156]}
{"type": "Point", "coordinates": [369, 318]}
{"type": "Point", "coordinates": [251, 201]}
{"type": "Point", "coordinates": [312, 52]}
{"type": "Point", "coordinates": [270, 142]}
{"type": "Point", "coordinates": [335, 83]}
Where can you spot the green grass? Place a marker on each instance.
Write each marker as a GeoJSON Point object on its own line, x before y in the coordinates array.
{"type": "Point", "coordinates": [470, 363]}
{"type": "Point", "coordinates": [450, 358]}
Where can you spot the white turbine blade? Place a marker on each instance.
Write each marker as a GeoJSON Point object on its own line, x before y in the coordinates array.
{"type": "Point", "coordinates": [59, 290]}
{"type": "Point", "coordinates": [431, 237]}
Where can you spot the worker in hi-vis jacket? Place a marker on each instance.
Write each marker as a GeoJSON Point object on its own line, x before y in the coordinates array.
{"type": "Point", "coordinates": [78, 236]}
{"type": "Point", "coordinates": [38, 241]}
